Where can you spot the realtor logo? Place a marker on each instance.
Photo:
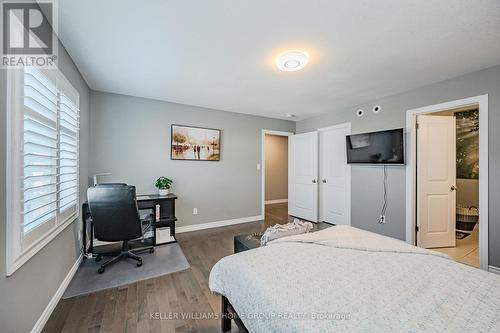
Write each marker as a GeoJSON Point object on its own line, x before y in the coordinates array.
{"type": "Point", "coordinates": [28, 37]}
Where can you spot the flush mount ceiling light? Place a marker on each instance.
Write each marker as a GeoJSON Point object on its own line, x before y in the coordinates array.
{"type": "Point", "coordinates": [291, 61]}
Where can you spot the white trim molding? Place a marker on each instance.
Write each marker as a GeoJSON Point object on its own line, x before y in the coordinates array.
{"type": "Point", "coordinates": [16, 263]}
{"type": "Point", "coordinates": [411, 117]}
{"type": "Point", "coordinates": [277, 201]}
{"type": "Point", "coordinates": [348, 125]}
{"type": "Point", "coordinates": [44, 317]}
{"type": "Point", "coordinates": [263, 163]}
{"type": "Point", "coordinates": [217, 224]}
{"type": "Point", "coordinates": [494, 269]}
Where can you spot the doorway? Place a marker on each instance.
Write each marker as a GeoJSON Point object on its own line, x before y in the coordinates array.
{"type": "Point", "coordinates": [447, 179]}
{"type": "Point", "coordinates": [319, 176]}
{"type": "Point", "coordinates": [275, 177]}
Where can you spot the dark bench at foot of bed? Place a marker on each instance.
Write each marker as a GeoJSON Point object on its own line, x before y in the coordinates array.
{"type": "Point", "coordinates": [246, 242]}
{"type": "Point", "coordinates": [227, 314]}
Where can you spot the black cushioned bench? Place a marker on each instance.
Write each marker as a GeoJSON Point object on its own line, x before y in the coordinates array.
{"type": "Point", "coordinates": [246, 242]}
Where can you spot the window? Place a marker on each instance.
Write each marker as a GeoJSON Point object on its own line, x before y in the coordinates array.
{"type": "Point", "coordinates": [43, 165]}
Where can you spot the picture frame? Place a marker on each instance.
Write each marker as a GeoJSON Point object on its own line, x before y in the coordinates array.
{"type": "Point", "coordinates": [192, 143]}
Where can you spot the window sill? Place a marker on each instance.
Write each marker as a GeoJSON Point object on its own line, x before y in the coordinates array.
{"type": "Point", "coordinates": [15, 264]}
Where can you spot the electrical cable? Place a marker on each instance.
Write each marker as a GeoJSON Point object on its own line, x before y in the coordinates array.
{"type": "Point", "coordinates": [384, 206]}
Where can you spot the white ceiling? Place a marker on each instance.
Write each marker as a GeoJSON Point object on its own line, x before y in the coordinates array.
{"type": "Point", "coordinates": [220, 53]}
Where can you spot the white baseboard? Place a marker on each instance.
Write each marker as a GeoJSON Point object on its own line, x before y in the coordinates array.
{"type": "Point", "coordinates": [494, 269]}
{"type": "Point", "coordinates": [57, 296]}
{"type": "Point", "coordinates": [270, 202]}
{"type": "Point", "coordinates": [217, 224]}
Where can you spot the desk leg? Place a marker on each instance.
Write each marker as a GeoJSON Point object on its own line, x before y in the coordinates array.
{"type": "Point", "coordinates": [91, 238]}
{"type": "Point", "coordinates": [172, 230]}
{"type": "Point", "coordinates": [84, 236]}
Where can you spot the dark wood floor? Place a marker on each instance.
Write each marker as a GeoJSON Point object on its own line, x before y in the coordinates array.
{"type": "Point", "coordinates": [276, 213]}
{"type": "Point", "coordinates": [128, 308]}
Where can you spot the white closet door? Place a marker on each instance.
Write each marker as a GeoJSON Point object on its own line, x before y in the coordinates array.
{"type": "Point", "coordinates": [436, 181]}
{"type": "Point", "coordinates": [335, 175]}
{"type": "Point", "coordinates": [303, 176]}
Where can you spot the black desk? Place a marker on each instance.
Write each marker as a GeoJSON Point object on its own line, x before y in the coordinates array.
{"type": "Point", "coordinates": [144, 202]}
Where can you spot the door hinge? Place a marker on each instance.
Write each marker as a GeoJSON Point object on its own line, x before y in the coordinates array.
{"type": "Point", "coordinates": [418, 125]}
{"type": "Point", "coordinates": [416, 228]}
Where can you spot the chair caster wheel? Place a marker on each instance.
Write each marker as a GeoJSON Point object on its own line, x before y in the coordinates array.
{"type": "Point", "coordinates": [101, 270]}
{"type": "Point", "coordinates": [98, 258]}
{"type": "Point", "coordinates": [139, 264]}
{"type": "Point", "coordinates": [152, 250]}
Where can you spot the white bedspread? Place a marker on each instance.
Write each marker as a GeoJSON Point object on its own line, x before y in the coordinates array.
{"type": "Point", "coordinates": [344, 279]}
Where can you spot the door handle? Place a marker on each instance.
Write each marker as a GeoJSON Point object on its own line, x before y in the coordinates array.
{"type": "Point", "coordinates": [453, 188]}
{"type": "Point", "coordinates": [314, 181]}
{"type": "Point", "coordinates": [324, 181]}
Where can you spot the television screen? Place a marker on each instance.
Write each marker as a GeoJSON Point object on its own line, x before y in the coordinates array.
{"type": "Point", "coordinates": [384, 147]}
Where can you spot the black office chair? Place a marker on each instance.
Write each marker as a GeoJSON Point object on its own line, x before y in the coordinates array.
{"type": "Point", "coordinates": [116, 218]}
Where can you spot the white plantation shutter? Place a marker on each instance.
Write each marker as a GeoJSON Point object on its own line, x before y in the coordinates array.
{"type": "Point", "coordinates": [43, 143]}
{"type": "Point", "coordinates": [40, 150]}
{"type": "Point", "coordinates": [69, 125]}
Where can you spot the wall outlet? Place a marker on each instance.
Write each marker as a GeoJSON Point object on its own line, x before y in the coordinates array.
{"type": "Point", "coordinates": [381, 219]}
{"type": "Point", "coordinates": [195, 211]}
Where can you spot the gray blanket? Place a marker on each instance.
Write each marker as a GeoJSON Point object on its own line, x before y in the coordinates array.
{"type": "Point", "coordinates": [297, 227]}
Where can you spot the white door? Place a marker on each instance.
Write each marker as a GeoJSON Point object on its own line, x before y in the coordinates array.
{"type": "Point", "coordinates": [436, 181]}
{"type": "Point", "coordinates": [335, 175]}
{"type": "Point", "coordinates": [303, 176]}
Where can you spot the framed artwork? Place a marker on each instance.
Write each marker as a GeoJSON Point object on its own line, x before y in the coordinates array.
{"type": "Point", "coordinates": [468, 144]}
{"type": "Point", "coordinates": [194, 143]}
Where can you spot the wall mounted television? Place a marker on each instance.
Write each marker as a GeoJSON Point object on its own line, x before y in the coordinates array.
{"type": "Point", "coordinates": [383, 147]}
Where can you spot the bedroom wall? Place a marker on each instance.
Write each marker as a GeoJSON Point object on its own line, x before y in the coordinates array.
{"type": "Point", "coordinates": [276, 167]}
{"type": "Point", "coordinates": [367, 201]}
{"type": "Point", "coordinates": [130, 137]}
{"type": "Point", "coordinates": [26, 293]}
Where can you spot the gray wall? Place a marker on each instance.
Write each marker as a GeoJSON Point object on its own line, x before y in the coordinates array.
{"type": "Point", "coordinates": [367, 181]}
{"type": "Point", "coordinates": [26, 293]}
{"type": "Point", "coordinates": [276, 167]}
{"type": "Point", "coordinates": [130, 137]}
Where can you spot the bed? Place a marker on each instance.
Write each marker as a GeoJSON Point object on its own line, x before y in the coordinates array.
{"type": "Point", "coordinates": [345, 279]}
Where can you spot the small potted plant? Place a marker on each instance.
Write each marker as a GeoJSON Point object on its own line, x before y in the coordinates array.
{"type": "Point", "coordinates": [163, 185]}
